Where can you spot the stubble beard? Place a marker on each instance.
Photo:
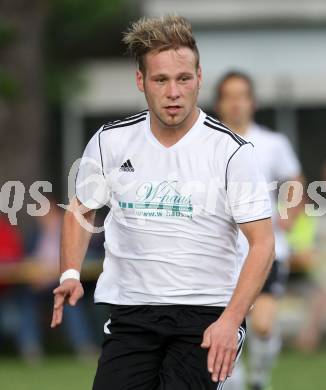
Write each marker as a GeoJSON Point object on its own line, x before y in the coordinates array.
{"type": "Point", "coordinates": [174, 123]}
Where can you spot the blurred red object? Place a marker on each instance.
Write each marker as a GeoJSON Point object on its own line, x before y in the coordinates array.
{"type": "Point", "coordinates": [11, 244]}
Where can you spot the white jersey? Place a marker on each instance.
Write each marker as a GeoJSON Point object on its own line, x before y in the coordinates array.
{"type": "Point", "coordinates": [279, 163]}
{"type": "Point", "coordinates": [171, 234]}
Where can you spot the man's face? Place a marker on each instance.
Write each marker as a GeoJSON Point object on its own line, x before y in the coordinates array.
{"type": "Point", "coordinates": [171, 83]}
{"type": "Point", "coordinates": [236, 105]}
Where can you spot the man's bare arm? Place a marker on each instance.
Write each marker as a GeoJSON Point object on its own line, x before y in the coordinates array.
{"type": "Point", "coordinates": [74, 243]}
{"type": "Point", "coordinates": [255, 268]}
{"type": "Point", "coordinates": [221, 336]}
{"type": "Point", "coordinates": [75, 237]}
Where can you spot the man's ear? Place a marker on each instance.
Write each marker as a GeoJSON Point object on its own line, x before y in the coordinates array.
{"type": "Point", "coordinates": [140, 80]}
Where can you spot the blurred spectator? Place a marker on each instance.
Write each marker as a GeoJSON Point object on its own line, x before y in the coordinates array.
{"type": "Point", "coordinates": [46, 240]}
{"type": "Point", "coordinates": [235, 105]}
{"type": "Point", "coordinates": [301, 238]}
{"type": "Point", "coordinates": [11, 246]}
{"type": "Point", "coordinates": [11, 321]}
{"type": "Point", "coordinates": [310, 335]}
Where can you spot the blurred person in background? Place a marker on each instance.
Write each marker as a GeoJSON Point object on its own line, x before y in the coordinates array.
{"type": "Point", "coordinates": [44, 248]}
{"type": "Point", "coordinates": [310, 335]}
{"type": "Point", "coordinates": [235, 106]}
{"type": "Point", "coordinates": [11, 321]}
{"type": "Point", "coordinates": [301, 238]}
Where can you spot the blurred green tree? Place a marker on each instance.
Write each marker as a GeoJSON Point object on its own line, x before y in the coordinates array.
{"type": "Point", "coordinates": [41, 43]}
{"type": "Point", "coordinates": [77, 30]}
{"type": "Point", "coordinates": [22, 104]}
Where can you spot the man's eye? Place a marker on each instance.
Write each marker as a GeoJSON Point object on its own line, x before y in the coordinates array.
{"type": "Point", "coordinates": [160, 81]}
{"type": "Point", "coordinates": [185, 78]}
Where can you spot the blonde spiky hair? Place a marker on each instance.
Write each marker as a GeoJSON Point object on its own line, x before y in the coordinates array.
{"type": "Point", "coordinates": [159, 34]}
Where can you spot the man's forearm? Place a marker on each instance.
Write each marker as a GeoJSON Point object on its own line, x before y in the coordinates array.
{"type": "Point", "coordinates": [74, 238]}
{"type": "Point", "coordinates": [251, 280]}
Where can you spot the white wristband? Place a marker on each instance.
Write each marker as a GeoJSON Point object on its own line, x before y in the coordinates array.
{"type": "Point", "coordinates": [70, 274]}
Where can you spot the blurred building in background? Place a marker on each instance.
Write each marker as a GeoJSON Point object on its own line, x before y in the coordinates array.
{"type": "Point", "coordinates": [281, 44]}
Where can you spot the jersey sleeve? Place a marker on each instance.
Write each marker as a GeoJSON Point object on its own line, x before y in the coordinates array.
{"type": "Point", "coordinates": [287, 164]}
{"type": "Point", "coordinates": [247, 193]}
{"type": "Point", "coordinates": [91, 185]}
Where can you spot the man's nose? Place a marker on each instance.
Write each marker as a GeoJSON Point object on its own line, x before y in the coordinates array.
{"type": "Point", "coordinates": [172, 90]}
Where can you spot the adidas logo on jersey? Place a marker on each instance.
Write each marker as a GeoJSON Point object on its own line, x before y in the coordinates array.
{"type": "Point", "coordinates": [127, 167]}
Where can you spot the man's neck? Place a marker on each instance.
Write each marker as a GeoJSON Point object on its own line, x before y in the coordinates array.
{"type": "Point", "coordinates": [241, 129]}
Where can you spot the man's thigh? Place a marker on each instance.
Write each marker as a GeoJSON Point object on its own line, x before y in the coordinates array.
{"type": "Point", "coordinates": [185, 364]}
{"type": "Point", "coordinates": [131, 354]}
{"type": "Point", "coordinates": [185, 367]}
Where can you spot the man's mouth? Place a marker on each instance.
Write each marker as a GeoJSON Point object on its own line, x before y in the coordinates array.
{"type": "Point", "coordinates": [173, 109]}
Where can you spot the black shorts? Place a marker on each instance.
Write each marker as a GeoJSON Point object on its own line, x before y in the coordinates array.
{"type": "Point", "coordinates": [157, 347]}
{"type": "Point", "coordinates": [276, 281]}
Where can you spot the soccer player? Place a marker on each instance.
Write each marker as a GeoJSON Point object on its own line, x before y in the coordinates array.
{"type": "Point", "coordinates": [173, 177]}
{"type": "Point", "coordinates": [235, 107]}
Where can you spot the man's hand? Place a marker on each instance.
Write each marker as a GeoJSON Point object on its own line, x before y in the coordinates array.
{"type": "Point", "coordinates": [221, 338]}
{"type": "Point", "coordinates": [70, 291]}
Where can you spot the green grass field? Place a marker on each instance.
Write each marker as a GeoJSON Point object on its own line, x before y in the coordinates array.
{"type": "Point", "coordinates": [293, 371]}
